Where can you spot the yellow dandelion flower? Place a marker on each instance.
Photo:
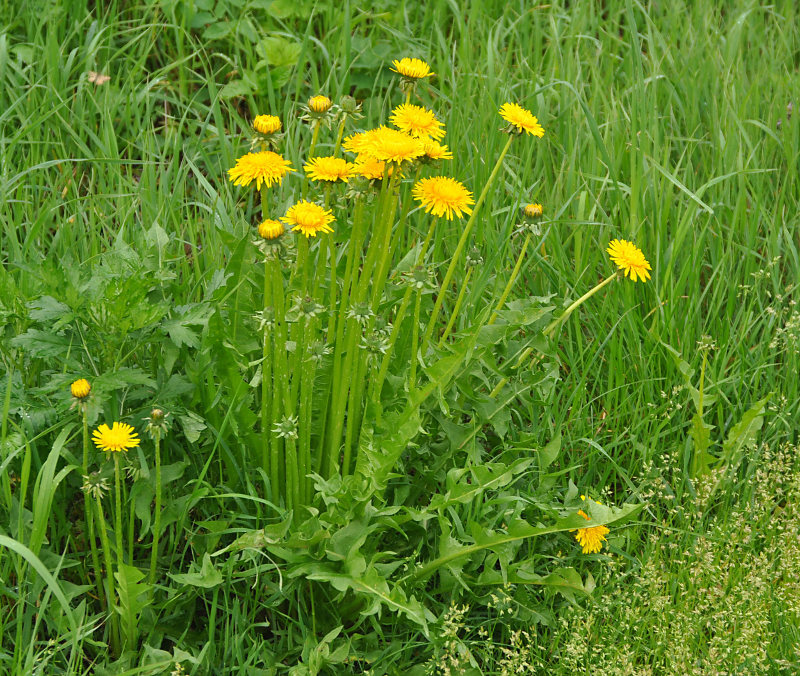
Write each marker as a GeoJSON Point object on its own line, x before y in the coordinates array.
{"type": "Point", "coordinates": [80, 388]}
{"type": "Point", "coordinates": [262, 167]}
{"type": "Point", "coordinates": [320, 104]}
{"type": "Point", "coordinates": [329, 169]}
{"type": "Point", "coordinates": [308, 218]}
{"type": "Point", "coordinates": [417, 121]}
{"type": "Point", "coordinates": [533, 210]}
{"type": "Point", "coordinates": [521, 119]}
{"type": "Point", "coordinates": [414, 69]}
{"type": "Point", "coordinates": [437, 151]}
{"type": "Point", "coordinates": [359, 142]}
{"type": "Point", "coordinates": [266, 124]}
{"type": "Point", "coordinates": [590, 539]}
{"type": "Point", "coordinates": [271, 229]}
{"type": "Point", "coordinates": [629, 257]}
{"type": "Point", "coordinates": [391, 145]}
{"type": "Point", "coordinates": [119, 437]}
{"type": "Point", "coordinates": [443, 196]}
{"type": "Point", "coordinates": [370, 168]}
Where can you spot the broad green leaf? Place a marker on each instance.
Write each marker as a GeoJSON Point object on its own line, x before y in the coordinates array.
{"type": "Point", "coordinates": [207, 577]}
{"type": "Point", "coordinates": [133, 597]}
{"type": "Point", "coordinates": [745, 431]}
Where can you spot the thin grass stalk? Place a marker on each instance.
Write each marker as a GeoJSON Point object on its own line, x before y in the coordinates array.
{"type": "Point", "coordinates": [460, 248]}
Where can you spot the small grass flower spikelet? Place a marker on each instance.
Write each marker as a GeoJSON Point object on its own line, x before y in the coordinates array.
{"type": "Point", "coordinates": [118, 437]}
{"type": "Point", "coordinates": [271, 229]}
{"type": "Point", "coordinates": [629, 258]}
{"type": "Point", "coordinates": [591, 539]}
{"type": "Point", "coordinates": [329, 169]}
{"type": "Point", "coordinates": [264, 167]}
{"type": "Point", "coordinates": [521, 120]}
{"type": "Point", "coordinates": [309, 218]}
{"type": "Point", "coordinates": [319, 104]}
{"type": "Point", "coordinates": [391, 145]}
{"type": "Point", "coordinates": [443, 196]}
{"type": "Point", "coordinates": [266, 124]}
{"type": "Point", "coordinates": [417, 121]}
{"type": "Point", "coordinates": [80, 388]}
{"type": "Point", "coordinates": [413, 69]}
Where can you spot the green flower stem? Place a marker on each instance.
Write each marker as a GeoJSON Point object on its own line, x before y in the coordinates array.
{"type": "Point", "coordinates": [314, 139]}
{"type": "Point", "coordinates": [552, 326]}
{"type": "Point", "coordinates": [355, 246]}
{"type": "Point", "coordinates": [277, 466]}
{"type": "Point", "coordinates": [339, 136]}
{"type": "Point", "coordinates": [118, 512]}
{"type": "Point", "coordinates": [377, 383]}
{"type": "Point", "coordinates": [386, 246]}
{"type": "Point", "coordinates": [462, 292]}
{"type": "Point", "coordinates": [306, 368]}
{"type": "Point", "coordinates": [462, 242]}
{"type": "Point", "coordinates": [412, 376]}
{"type": "Point", "coordinates": [113, 617]}
{"type": "Point", "coordinates": [87, 510]}
{"type": "Point", "coordinates": [406, 207]}
{"type": "Point", "coordinates": [264, 202]}
{"type": "Point", "coordinates": [511, 281]}
{"type": "Point", "coordinates": [354, 410]}
{"type": "Point", "coordinates": [548, 332]}
{"type": "Point", "coordinates": [157, 516]}
{"type": "Point", "coordinates": [332, 291]}
{"type": "Point", "coordinates": [266, 379]}
{"type": "Point", "coordinates": [358, 293]}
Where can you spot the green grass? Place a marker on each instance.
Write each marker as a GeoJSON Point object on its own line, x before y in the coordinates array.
{"type": "Point", "coordinates": [126, 259]}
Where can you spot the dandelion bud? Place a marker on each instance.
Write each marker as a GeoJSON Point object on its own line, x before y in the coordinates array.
{"type": "Point", "coordinates": [271, 229]}
{"type": "Point", "coordinates": [320, 104]}
{"type": "Point", "coordinates": [80, 388]}
{"type": "Point", "coordinates": [266, 124]}
{"type": "Point", "coordinates": [349, 105]}
{"type": "Point", "coordinates": [532, 210]}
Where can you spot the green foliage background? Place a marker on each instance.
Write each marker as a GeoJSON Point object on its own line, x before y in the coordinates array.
{"type": "Point", "coordinates": [669, 124]}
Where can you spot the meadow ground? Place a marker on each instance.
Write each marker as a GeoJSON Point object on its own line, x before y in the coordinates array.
{"type": "Point", "coordinates": [410, 445]}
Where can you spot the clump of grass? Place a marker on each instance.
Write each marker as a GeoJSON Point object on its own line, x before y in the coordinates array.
{"type": "Point", "coordinates": [717, 591]}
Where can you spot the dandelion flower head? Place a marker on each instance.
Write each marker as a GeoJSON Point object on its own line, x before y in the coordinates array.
{"type": "Point", "coordinates": [437, 151]}
{"type": "Point", "coordinates": [628, 257]}
{"type": "Point", "coordinates": [391, 145]}
{"type": "Point", "coordinates": [591, 539]}
{"type": "Point", "coordinates": [80, 388]}
{"type": "Point", "coordinates": [359, 142]}
{"type": "Point", "coordinates": [271, 229]}
{"type": "Point", "coordinates": [264, 167]}
{"type": "Point", "coordinates": [309, 218]}
{"type": "Point", "coordinates": [266, 124]}
{"type": "Point", "coordinates": [118, 437]}
{"type": "Point", "coordinates": [370, 168]}
{"type": "Point", "coordinates": [521, 119]}
{"type": "Point", "coordinates": [329, 169]}
{"type": "Point", "coordinates": [417, 121]}
{"type": "Point", "coordinates": [320, 104]}
{"type": "Point", "coordinates": [414, 69]}
{"type": "Point", "coordinates": [443, 196]}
